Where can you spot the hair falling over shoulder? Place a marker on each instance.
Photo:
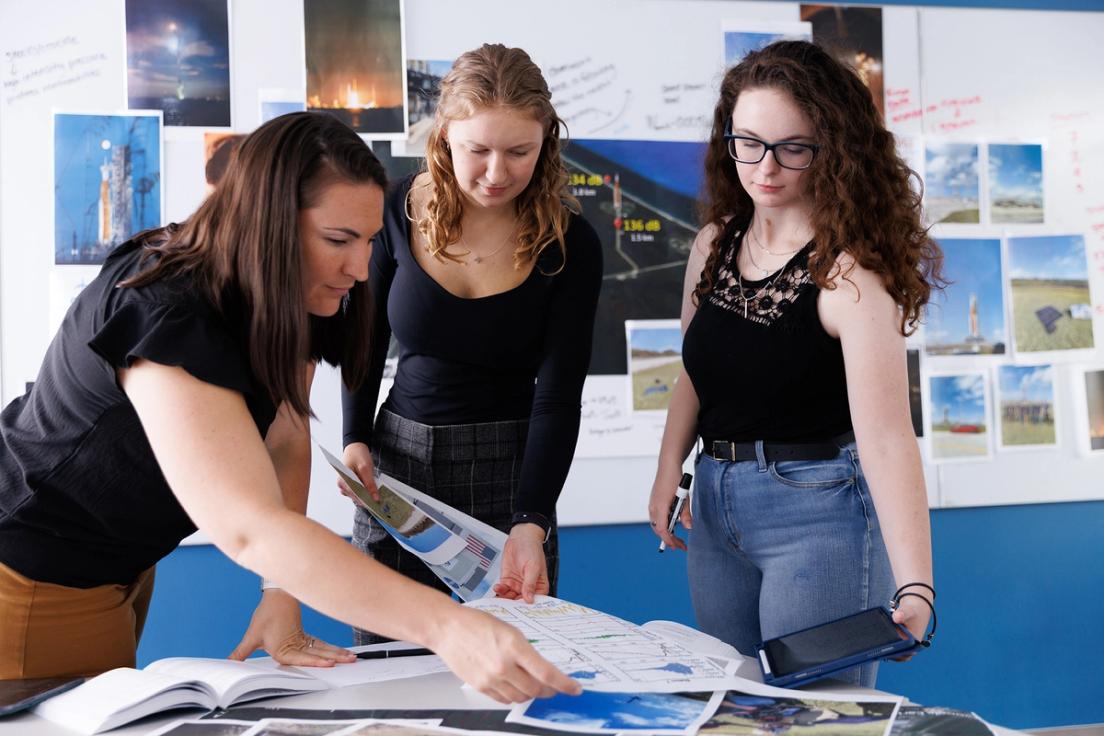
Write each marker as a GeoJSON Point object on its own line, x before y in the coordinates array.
{"type": "Point", "coordinates": [243, 243]}
{"type": "Point", "coordinates": [492, 76]}
{"type": "Point", "coordinates": [864, 202]}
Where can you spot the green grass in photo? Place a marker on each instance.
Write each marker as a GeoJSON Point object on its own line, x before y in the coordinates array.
{"type": "Point", "coordinates": [1027, 433]}
{"type": "Point", "coordinates": [648, 385]}
{"type": "Point", "coordinates": [1031, 295]}
{"type": "Point", "coordinates": [971, 215]}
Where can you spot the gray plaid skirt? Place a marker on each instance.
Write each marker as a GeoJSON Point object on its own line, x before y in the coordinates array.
{"type": "Point", "coordinates": [475, 468]}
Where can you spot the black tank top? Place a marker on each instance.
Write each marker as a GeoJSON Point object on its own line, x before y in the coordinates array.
{"type": "Point", "coordinates": [774, 374]}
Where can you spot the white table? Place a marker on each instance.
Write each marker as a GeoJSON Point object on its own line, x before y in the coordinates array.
{"type": "Point", "coordinates": [438, 691]}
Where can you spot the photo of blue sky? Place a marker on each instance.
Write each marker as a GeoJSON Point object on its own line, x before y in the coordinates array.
{"type": "Point", "coordinates": [739, 44]}
{"type": "Point", "coordinates": [973, 266]}
{"type": "Point", "coordinates": [656, 340]}
{"type": "Point", "coordinates": [1016, 171]}
{"type": "Point", "coordinates": [1026, 383]}
{"type": "Point", "coordinates": [107, 182]}
{"type": "Point", "coordinates": [274, 109]}
{"type": "Point", "coordinates": [951, 170]}
{"type": "Point", "coordinates": [960, 398]}
{"type": "Point", "coordinates": [1051, 257]}
{"type": "Point", "coordinates": [618, 711]}
{"type": "Point", "coordinates": [951, 189]}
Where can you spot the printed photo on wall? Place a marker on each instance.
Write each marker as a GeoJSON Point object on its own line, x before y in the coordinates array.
{"type": "Point", "coordinates": [952, 192]}
{"type": "Point", "coordinates": [423, 81]}
{"type": "Point", "coordinates": [967, 317]}
{"type": "Point", "coordinates": [1015, 182]}
{"type": "Point", "coordinates": [365, 88]}
{"type": "Point", "coordinates": [1093, 427]}
{"type": "Point", "coordinates": [640, 196]}
{"type": "Point", "coordinates": [958, 425]}
{"type": "Point", "coordinates": [1026, 407]}
{"type": "Point", "coordinates": [107, 182]}
{"type": "Point", "coordinates": [275, 102]}
{"type": "Point", "coordinates": [218, 149]}
{"type": "Point", "coordinates": [655, 361]}
{"type": "Point", "coordinates": [178, 60]}
{"type": "Point", "coordinates": [1051, 302]}
{"type": "Point", "coordinates": [916, 402]}
{"type": "Point", "coordinates": [741, 37]}
{"type": "Point", "coordinates": [854, 36]}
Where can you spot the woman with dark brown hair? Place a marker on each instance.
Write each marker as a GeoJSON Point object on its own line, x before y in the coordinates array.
{"type": "Point", "coordinates": [799, 291]}
{"type": "Point", "coordinates": [488, 278]}
{"type": "Point", "coordinates": [175, 397]}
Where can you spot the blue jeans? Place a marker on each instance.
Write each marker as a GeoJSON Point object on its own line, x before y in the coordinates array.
{"type": "Point", "coordinates": [778, 547]}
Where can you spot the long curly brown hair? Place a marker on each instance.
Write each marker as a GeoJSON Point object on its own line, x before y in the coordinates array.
{"type": "Point", "coordinates": [863, 203]}
{"type": "Point", "coordinates": [488, 77]}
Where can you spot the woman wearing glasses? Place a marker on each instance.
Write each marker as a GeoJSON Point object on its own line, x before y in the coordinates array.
{"type": "Point", "coordinates": [812, 266]}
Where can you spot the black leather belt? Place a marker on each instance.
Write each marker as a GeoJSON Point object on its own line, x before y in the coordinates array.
{"type": "Point", "coordinates": [777, 451]}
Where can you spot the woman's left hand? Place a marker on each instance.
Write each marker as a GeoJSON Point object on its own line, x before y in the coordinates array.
{"type": "Point", "coordinates": [524, 568]}
{"type": "Point", "coordinates": [913, 614]}
{"type": "Point", "coordinates": [277, 628]}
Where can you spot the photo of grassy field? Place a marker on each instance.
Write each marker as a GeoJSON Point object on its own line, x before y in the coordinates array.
{"type": "Point", "coordinates": [1026, 405]}
{"type": "Point", "coordinates": [1031, 295]}
{"type": "Point", "coordinates": [655, 361]}
{"type": "Point", "coordinates": [1049, 279]}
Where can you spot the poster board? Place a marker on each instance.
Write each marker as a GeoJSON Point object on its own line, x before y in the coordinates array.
{"type": "Point", "coordinates": [624, 72]}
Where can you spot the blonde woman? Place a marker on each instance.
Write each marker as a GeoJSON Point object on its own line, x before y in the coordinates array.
{"type": "Point", "coordinates": [488, 278]}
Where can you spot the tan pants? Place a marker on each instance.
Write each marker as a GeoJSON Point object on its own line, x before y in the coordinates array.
{"type": "Point", "coordinates": [49, 630]}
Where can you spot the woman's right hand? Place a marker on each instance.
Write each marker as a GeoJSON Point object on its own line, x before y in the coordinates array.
{"type": "Point", "coordinates": [358, 458]}
{"type": "Point", "coordinates": [495, 659]}
{"type": "Point", "coordinates": [660, 504]}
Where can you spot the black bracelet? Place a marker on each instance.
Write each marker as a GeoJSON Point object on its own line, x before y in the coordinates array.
{"type": "Point", "coordinates": [896, 602]}
{"type": "Point", "coordinates": [914, 585]}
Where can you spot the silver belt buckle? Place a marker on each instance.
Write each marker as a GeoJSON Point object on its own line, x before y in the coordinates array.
{"type": "Point", "coordinates": [730, 453]}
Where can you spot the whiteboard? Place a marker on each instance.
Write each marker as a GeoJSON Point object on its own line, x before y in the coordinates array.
{"type": "Point", "coordinates": [621, 69]}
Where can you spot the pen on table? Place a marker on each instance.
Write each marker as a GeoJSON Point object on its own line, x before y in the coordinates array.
{"type": "Point", "coordinates": [680, 498]}
{"type": "Point", "coordinates": [391, 653]}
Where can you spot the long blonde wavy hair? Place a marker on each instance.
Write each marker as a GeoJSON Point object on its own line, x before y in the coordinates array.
{"type": "Point", "coordinates": [488, 77]}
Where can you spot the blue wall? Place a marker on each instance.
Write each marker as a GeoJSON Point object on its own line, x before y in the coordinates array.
{"type": "Point", "coordinates": [1021, 601]}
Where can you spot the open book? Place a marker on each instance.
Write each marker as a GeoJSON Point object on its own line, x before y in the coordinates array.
{"type": "Point", "coordinates": [124, 695]}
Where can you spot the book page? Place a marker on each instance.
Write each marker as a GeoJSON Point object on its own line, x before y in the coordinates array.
{"type": "Point", "coordinates": [232, 681]}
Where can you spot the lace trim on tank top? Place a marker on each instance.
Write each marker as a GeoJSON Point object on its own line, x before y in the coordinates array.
{"type": "Point", "coordinates": [767, 300]}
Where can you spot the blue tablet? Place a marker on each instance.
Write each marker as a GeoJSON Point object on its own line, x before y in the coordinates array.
{"type": "Point", "coordinates": [818, 651]}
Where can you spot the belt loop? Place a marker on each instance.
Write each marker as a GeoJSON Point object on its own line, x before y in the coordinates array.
{"type": "Point", "coordinates": [761, 456]}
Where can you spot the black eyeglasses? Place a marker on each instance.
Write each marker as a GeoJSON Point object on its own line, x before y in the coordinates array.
{"type": "Point", "coordinates": [790, 155]}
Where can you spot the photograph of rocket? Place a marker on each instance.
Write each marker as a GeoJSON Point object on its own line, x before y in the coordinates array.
{"type": "Point", "coordinates": [355, 65]}
{"type": "Point", "coordinates": [178, 60]}
{"type": "Point", "coordinates": [107, 182]}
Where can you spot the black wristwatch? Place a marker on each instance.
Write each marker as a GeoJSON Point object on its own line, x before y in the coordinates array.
{"type": "Point", "coordinates": [532, 517]}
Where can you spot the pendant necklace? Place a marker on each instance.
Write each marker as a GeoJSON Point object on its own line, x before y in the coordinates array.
{"type": "Point", "coordinates": [757, 294]}
{"type": "Point", "coordinates": [477, 259]}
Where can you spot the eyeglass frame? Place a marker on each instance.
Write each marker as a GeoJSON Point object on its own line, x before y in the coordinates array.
{"type": "Point", "coordinates": [767, 148]}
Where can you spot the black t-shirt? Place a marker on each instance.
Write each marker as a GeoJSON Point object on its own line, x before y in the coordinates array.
{"type": "Point", "coordinates": [475, 360]}
{"type": "Point", "coordinates": [82, 499]}
{"type": "Point", "coordinates": [774, 374]}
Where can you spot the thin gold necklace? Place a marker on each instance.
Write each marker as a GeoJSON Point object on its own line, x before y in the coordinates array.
{"type": "Point", "coordinates": [477, 259]}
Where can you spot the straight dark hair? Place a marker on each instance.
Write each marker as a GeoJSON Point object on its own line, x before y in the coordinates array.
{"type": "Point", "coordinates": [243, 243]}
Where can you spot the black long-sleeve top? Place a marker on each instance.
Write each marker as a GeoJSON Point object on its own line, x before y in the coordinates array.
{"type": "Point", "coordinates": [519, 354]}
